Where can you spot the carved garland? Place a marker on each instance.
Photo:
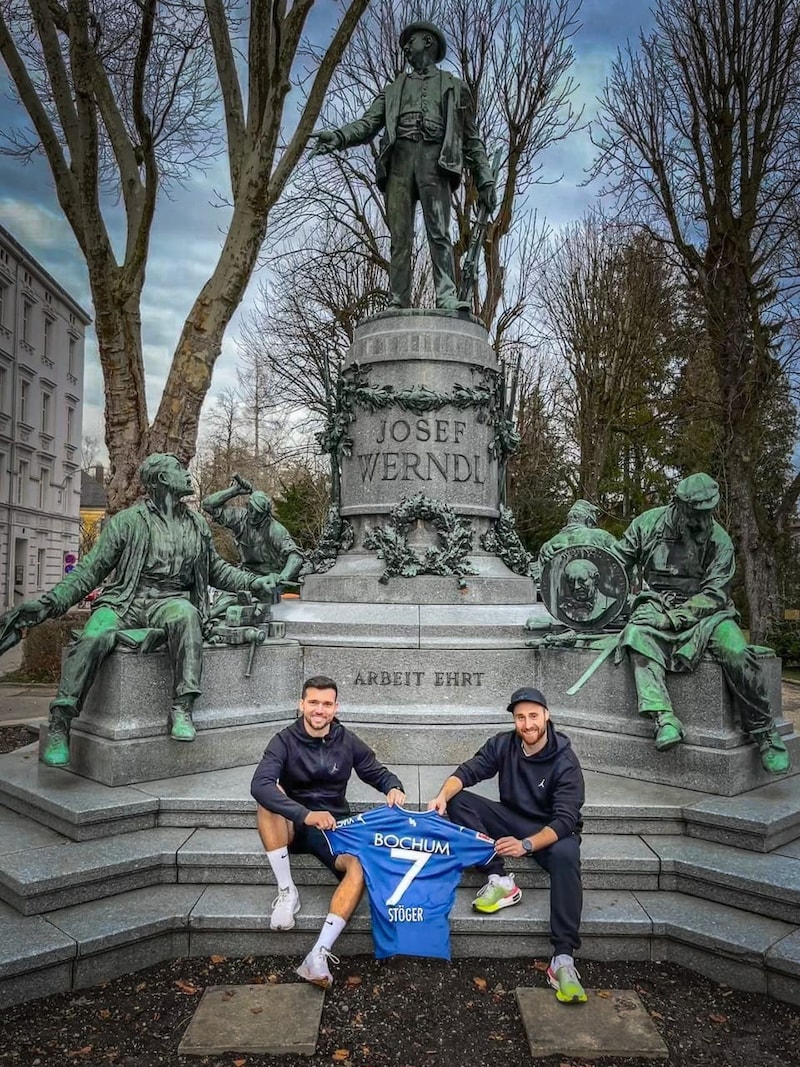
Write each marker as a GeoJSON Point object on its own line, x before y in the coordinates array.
{"type": "Point", "coordinates": [391, 542]}
{"type": "Point", "coordinates": [503, 541]}
{"type": "Point", "coordinates": [337, 536]}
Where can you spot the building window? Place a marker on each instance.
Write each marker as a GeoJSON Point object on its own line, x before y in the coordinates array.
{"type": "Point", "coordinates": [27, 307]}
{"type": "Point", "coordinates": [4, 390]}
{"type": "Point", "coordinates": [47, 337]}
{"type": "Point", "coordinates": [3, 303]}
{"type": "Point", "coordinates": [46, 425]}
{"type": "Point", "coordinates": [41, 560]}
{"type": "Point", "coordinates": [71, 362]}
{"type": "Point", "coordinates": [70, 426]}
{"type": "Point", "coordinates": [67, 495]}
{"type": "Point", "coordinates": [24, 400]}
{"type": "Point", "coordinates": [44, 488]}
{"type": "Point", "coordinates": [22, 482]}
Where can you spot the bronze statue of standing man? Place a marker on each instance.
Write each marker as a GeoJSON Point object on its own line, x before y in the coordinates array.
{"type": "Point", "coordinates": [427, 116]}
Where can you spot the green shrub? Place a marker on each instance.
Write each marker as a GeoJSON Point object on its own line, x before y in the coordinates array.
{"type": "Point", "coordinates": [784, 637]}
{"type": "Point", "coordinates": [41, 655]}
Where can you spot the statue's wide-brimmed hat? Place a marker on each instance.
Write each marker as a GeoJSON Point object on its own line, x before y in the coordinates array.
{"type": "Point", "coordinates": [434, 31]}
{"type": "Point", "coordinates": [698, 491]}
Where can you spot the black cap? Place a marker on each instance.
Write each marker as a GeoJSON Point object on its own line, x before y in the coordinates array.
{"type": "Point", "coordinates": [533, 696]}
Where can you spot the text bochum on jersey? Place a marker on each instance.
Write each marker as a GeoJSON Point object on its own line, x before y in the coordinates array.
{"type": "Point", "coordinates": [412, 864]}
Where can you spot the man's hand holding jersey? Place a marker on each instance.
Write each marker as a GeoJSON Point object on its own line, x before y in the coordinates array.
{"type": "Point", "coordinates": [322, 820]}
{"type": "Point", "coordinates": [395, 796]}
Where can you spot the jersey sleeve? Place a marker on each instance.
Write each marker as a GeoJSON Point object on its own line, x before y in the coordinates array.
{"type": "Point", "coordinates": [348, 838]}
{"type": "Point", "coordinates": [474, 848]}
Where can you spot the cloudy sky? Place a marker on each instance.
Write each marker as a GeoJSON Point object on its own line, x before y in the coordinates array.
{"type": "Point", "coordinates": [187, 231]}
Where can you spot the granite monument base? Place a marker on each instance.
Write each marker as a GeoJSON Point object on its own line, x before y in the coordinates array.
{"type": "Point", "coordinates": [121, 736]}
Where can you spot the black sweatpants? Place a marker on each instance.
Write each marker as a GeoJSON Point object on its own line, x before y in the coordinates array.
{"type": "Point", "coordinates": [561, 860]}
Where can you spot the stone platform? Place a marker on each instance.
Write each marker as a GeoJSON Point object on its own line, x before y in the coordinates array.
{"type": "Point", "coordinates": [97, 881]}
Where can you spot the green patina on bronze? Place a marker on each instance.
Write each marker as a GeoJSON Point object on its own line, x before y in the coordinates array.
{"type": "Point", "coordinates": [686, 561]}
{"type": "Point", "coordinates": [503, 540]}
{"type": "Point", "coordinates": [429, 136]}
{"type": "Point", "coordinates": [391, 541]}
{"type": "Point", "coordinates": [155, 561]}
{"type": "Point", "coordinates": [337, 536]}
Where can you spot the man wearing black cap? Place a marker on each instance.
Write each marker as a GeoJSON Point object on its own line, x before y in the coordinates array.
{"type": "Point", "coordinates": [685, 610]}
{"type": "Point", "coordinates": [538, 815]}
{"type": "Point", "coordinates": [430, 133]}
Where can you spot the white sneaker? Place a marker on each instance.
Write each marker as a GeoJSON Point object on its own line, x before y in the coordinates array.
{"type": "Point", "coordinates": [284, 908]}
{"type": "Point", "coordinates": [314, 967]}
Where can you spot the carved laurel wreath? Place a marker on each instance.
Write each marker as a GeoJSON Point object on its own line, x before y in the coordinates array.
{"type": "Point", "coordinates": [337, 536]}
{"type": "Point", "coordinates": [391, 541]}
{"type": "Point", "coordinates": [503, 540]}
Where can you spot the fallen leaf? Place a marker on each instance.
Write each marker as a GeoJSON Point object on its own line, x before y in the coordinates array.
{"type": "Point", "coordinates": [273, 979]}
{"type": "Point", "coordinates": [496, 1036]}
{"type": "Point", "coordinates": [353, 980]}
{"type": "Point", "coordinates": [81, 1051]}
{"type": "Point", "coordinates": [140, 987]}
{"type": "Point", "coordinates": [220, 959]}
{"type": "Point", "coordinates": [256, 1011]}
{"type": "Point", "coordinates": [540, 965]}
{"type": "Point", "coordinates": [104, 1013]}
{"type": "Point", "coordinates": [239, 1063]}
{"type": "Point", "coordinates": [365, 1050]}
{"type": "Point", "coordinates": [481, 984]}
{"type": "Point", "coordinates": [229, 993]}
{"type": "Point", "coordinates": [656, 1015]}
{"type": "Point", "coordinates": [186, 987]}
{"type": "Point", "coordinates": [718, 1018]}
{"type": "Point", "coordinates": [604, 993]}
{"type": "Point", "coordinates": [341, 1054]}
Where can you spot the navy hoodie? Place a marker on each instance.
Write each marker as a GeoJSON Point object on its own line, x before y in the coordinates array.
{"type": "Point", "coordinates": [547, 787]}
{"type": "Point", "coordinates": [313, 771]}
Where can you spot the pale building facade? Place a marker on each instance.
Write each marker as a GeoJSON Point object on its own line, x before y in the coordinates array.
{"type": "Point", "coordinates": [41, 416]}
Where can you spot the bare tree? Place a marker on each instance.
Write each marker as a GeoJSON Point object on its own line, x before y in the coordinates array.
{"type": "Point", "coordinates": [123, 94]}
{"type": "Point", "coordinates": [611, 309]}
{"type": "Point", "coordinates": [700, 138]}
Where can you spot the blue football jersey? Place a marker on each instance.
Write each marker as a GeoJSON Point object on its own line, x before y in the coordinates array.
{"type": "Point", "coordinates": [412, 864]}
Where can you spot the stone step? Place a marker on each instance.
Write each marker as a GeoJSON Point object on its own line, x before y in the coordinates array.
{"type": "Point", "coordinates": [92, 942]}
{"type": "Point", "coordinates": [236, 857]}
{"type": "Point", "coordinates": [43, 876]}
{"type": "Point", "coordinates": [761, 820]}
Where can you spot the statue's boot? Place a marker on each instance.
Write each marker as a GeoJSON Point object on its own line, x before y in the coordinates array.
{"type": "Point", "coordinates": [56, 751]}
{"type": "Point", "coordinates": [668, 730]}
{"type": "Point", "coordinates": [774, 755]}
{"type": "Point", "coordinates": [180, 719]}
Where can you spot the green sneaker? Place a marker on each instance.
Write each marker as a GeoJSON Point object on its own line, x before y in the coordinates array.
{"type": "Point", "coordinates": [567, 983]}
{"type": "Point", "coordinates": [495, 895]}
{"type": "Point", "coordinates": [56, 750]}
{"type": "Point", "coordinates": [774, 757]}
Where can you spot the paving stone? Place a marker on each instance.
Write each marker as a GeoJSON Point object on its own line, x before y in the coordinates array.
{"type": "Point", "coordinates": [267, 1020]}
{"type": "Point", "coordinates": [44, 879]}
{"type": "Point", "coordinates": [767, 884]}
{"type": "Point", "coordinates": [612, 1023]}
{"type": "Point", "coordinates": [18, 833]}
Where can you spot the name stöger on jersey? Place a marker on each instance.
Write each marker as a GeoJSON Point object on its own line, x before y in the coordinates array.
{"type": "Point", "coordinates": [416, 844]}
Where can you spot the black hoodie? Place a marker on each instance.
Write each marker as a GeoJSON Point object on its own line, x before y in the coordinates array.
{"type": "Point", "coordinates": [547, 787]}
{"type": "Point", "coordinates": [314, 771]}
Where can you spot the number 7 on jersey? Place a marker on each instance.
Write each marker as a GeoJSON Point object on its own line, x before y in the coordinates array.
{"type": "Point", "coordinates": [417, 860]}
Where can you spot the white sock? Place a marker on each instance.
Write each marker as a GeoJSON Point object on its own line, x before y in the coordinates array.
{"type": "Point", "coordinates": [331, 928]}
{"type": "Point", "coordinates": [561, 961]}
{"type": "Point", "coordinates": [281, 868]}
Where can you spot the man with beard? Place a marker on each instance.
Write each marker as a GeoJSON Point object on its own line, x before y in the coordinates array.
{"type": "Point", "coordinates": [687, 566]}
{"type": "Point", "coordinates": [538, 815]}
{"type": "Point", "coordinates": [300, 787]}
{"type": "Point", "coordinates": [163, 560]}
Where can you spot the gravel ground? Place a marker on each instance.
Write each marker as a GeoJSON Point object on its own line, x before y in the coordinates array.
{"type": "Point", "coordinates": [400, 1013]}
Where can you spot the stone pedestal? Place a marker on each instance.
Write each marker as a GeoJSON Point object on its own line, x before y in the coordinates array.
{"type": "Point", "coordinates": [122, 737]}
